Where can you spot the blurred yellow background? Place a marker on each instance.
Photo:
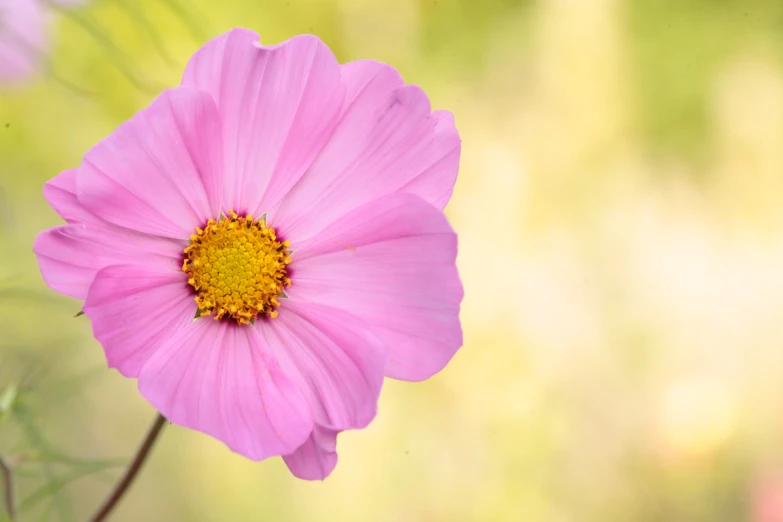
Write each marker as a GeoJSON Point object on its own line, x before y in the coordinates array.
{"type": "Point", "coordinates": [620, 211]}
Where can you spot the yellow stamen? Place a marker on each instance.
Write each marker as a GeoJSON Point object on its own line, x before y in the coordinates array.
{"type": "Point", "coordinates": [237, 268]}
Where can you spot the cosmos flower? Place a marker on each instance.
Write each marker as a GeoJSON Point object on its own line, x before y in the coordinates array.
{"type": "Point", "coordinates": [24, 36]}
{"type": "Point", "coordinates": [264, 243]}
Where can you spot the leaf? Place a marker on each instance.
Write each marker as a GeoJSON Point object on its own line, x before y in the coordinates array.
{"type": "Point", "coordinates": [119, 58]}
{"type": "Point", "coordinates": [56, 458]}
{"type": "Point", "coordinates": [186, 12]}
{"type": "Point", "coordinates": [144, 26]}
{"type": "Point", "coordinates": [45, 515]}
{"type": "Point", "coordinates": [33, 435]}
{"type": "Point", "coordinates": [7, 399]}
{"type": "Point", "coordinates": [55, 485]}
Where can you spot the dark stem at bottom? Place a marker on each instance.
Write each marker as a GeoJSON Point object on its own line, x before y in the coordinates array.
{"type": "Point", "coordinates": [8, 488]}
{"type": "Point", "coordinates": [133, 469]}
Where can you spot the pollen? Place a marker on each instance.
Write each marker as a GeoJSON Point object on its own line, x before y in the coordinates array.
{"type": "Point", "coordinates": [237, 266]}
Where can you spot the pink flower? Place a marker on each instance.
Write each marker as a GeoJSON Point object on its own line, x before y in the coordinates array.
{"type": "Point", "coordinates": [24, 37]}
{"type": "Point", "coordinates": [293, 206]}
{"type": "Point", "coordinates": [767, 500]}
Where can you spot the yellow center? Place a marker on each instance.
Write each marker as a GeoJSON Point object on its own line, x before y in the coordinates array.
{"type": "Point", "coordinates": [237, 267]}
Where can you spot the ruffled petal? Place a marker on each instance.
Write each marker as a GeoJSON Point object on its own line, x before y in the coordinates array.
{"type": "Point", "coordinates": [60, 192]}
{"type": "Point", "coordinates": [160, 172]}
{"type": "Point", "coordinates": [70, 256]}
{"type": "Point", "coordinates": [387, 140]}
{"type": "Point", "coordinates": [278, 104]}
{"type": "Point", "coordinates": [390, 263]}
{"type": "Point", "coordinates": [134, 309]}
{"type": "Point", "coordinates": [221, 379]}
{"type": "Point", "coordinates": [333, 358]}
{"type": "Point", "coordinates": [435, 183]}
{"type": "Point", "coordinates": [24, 39]}
{"type": "Point", "coordinates": [317, 457]}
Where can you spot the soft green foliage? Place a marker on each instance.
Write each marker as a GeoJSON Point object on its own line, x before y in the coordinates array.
{"type": "Point", "coordinates": [677, 48]}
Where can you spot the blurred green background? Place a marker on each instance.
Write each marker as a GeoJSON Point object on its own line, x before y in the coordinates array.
{"type": "Point", "coordinates": [621, 232]}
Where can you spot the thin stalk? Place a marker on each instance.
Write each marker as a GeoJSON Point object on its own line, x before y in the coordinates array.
{"type": "Point", "coordinates": [133, 469]}
{"type": "Point", "coordinates": [8, 488]}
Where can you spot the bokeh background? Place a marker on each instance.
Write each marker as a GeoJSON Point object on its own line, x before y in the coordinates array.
{"type": "Point", "coordinates": [620, 211]}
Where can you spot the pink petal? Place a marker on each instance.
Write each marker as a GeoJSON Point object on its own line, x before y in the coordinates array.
{"type": "Point", "coordinates": [436, 183]}
{"type": "Point", "coordinates": [221, 379]}
{"type": "Point", "coordinates": [387, 140]}
{"type": "Point", "coordinates": [317, 457]}
{"type": "Point", "coordinates": [60, 192]}
{"type": "Point", "coordinates": [160, 172]}
{"type": "Point", "coordinates": [333, 358]}
{"type": "Point", "coordinates": [278, 104]}
{"type": "Point", "coordinates": [24, 39]}
{"type": "Point", "coordinates": [134, 310]}
{"type": "Point", "coordinates": [70, 256]}
{"type": "Point", "coordinates": [366, 82]}
{"type": "Point", "coordinates": [390, 263]}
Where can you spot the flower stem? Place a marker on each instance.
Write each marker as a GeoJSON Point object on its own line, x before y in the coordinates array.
{"type": "Point", "coordinates": [133, 469]}
{"type": "Point", "coordinates": [8, 488]}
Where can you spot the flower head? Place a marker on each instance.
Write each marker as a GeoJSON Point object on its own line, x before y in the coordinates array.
{"type": "Point", "coordinates": [264, 243]}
